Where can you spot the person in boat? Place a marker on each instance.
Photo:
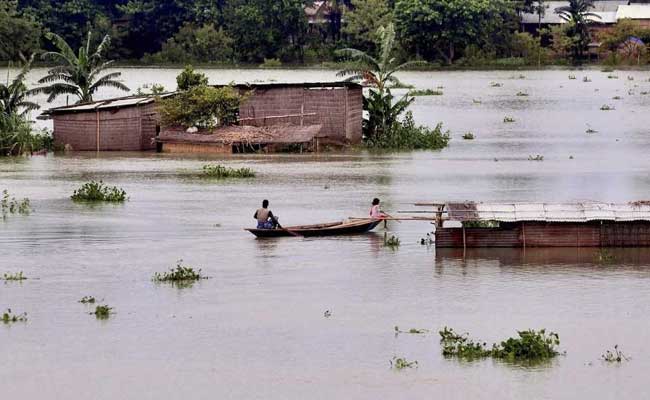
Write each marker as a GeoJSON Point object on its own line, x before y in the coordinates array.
{"type": "Point", "coordinates": [265, 218]}
{"type": "Point", "coordinates": [375, 211]}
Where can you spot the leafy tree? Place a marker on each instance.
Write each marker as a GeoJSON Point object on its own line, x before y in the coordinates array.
{"type": "Point", "coordinates": [442, 27]}
{"type": "Point", "coordinates": [13, 94]}
{"type": "Point", "coordinates": [78, 74]}
{"type": "Point", "coordinates": [19, 35]}
{"type": "Point", "coordinates": [189, 79]}
{"type": "Point", "coordinates": [204, 44]}
{"type": "Point", "coordinates": [578, 18]}
{"type": "Point", "coordinates": [201, 106]}
{"type": "Point", "coordinates": [363, 21]}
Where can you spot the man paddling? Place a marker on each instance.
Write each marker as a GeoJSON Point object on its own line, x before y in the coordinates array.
{"type": "Point", "coordinates": [265, 218]}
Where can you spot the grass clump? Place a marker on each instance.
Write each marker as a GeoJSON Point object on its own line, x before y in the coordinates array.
{"type": "Point", "coordinates": [221, 172]}
{"type": "Point", "coordinates": [103, 312]}
{"type": "Point", "coordinates": [412, 331]}
{"type": "Point", "coordinates": [425, 92]}
{"type": "Point", "coordinates": [468, 136]}
{"type": "Point", "coordinates": [406, 135]}
{"type": "Point", "coordinates": [508, 120]}
{"type": "Point", "coordinates": [271, 63]}
{"type": "Point", "coordinates": [537, 157]}
{"type": "Point", "coordinates": [9, 317]}
{"type": "Point", "coordinates": [495, 84]}
{"type": "Point", "coordinates": [612, 76]}
{"type": "Point", "coordinates": [522, 94]}
{"type": "Point", "coordinates": [607, 107]}
{"type": "Point", "coordinates": [400, 363]}
{"type": "Point", "coordinates": [97, 191]}
{"type": "Point", "coordinates": [9, 205]}
{"type": "Point", "coordinates": [18, 276]}
{"type": "Point", "coordinates": [181, 274]}
{"type": "Point", "coordinates": [615, 356]}
{"type": "Point", "coordinates": [87, 300]}
{"type": "Point", "coordinates": [391, 242]}
{"type": "Point", "coordinates": [530, 345]}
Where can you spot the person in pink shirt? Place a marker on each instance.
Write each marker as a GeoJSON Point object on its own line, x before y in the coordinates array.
{"type": "Point", "coordinates": [375, 211]}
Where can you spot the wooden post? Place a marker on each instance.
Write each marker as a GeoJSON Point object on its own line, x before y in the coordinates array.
{"type": "Point", "coordinates": [302, 114]}
{"type": "Point", "coordinates": [97, 133]}
{"type": "Point", "coordinates": [464, 239]}
{"type": "Point", "coordinates": [523, 232]}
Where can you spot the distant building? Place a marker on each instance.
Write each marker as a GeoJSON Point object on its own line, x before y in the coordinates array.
{"type": "Point", "coordinates": [635, 12]}
{"type": "Point", "coordinates": [605, 9]}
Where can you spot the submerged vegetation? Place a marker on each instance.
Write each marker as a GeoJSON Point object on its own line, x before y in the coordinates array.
{"type": "Point", "coordinates": [87, 300]}
{"type": "Point", "coordinates": [508, 120]}
{"type": "Point", "coordinates": [9, 205]}
{"type": "Point", "coordinates": [9, 317]}
{"type": "Point", "coordinates": [222, 172]}
{"type": "Point", "coordinates": [614, 356]}
{"type": "Point", "coordinates": [468, 136]}
{"type": "Point", "coordinates": [530, 345]}
{"type": "Point", "coordinates": [412, 331]}
{"type": "Point", "coordinates": [181, 275]}
{"type": "Point", "coordinates": [18, 276]}
{"type": "Point", "coordinates": [537, 157]}
{"type": "Point", "coordinates": [102, 312]}
{"type": "Point", "coordinates": [400, 363]}
{"type": "Point", "coordinates": [97, 192]}
{"type": "Point", "coordinates": [425, 92]}
{"type": "Point", "coordinates": [391, 242]}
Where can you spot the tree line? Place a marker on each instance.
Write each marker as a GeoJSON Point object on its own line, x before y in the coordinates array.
{"type": "Point", "coordinates": [252, 31]}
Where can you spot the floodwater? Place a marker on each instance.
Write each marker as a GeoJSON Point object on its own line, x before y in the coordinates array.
{"type": "Point", "coordinates": [256, 329]}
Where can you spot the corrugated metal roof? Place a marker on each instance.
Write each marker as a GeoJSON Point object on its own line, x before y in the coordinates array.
{"type": "Point", "coordinates": [633, 11]}
{"type": "Point", "coordinates": [105, 104]}
{"type": "Point", "coordinates": [559, 212]}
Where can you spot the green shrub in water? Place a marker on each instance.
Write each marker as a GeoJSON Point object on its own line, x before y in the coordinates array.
{"type": "Point", "coordinates": [180, 274]}
{"type": "Point", "coordinates": [401, 363]}
{"type": "Point", "coordinates": [9, 317]}
{"type": "Point", "coordinates": [219, 171]}
{"type": "Point", "coordinates": [392, 242]}
{"type": "Point", "coordinates": [468, 136]}
{"type": "Point", "coordinates": [103, 312]}
{"type": "Point", "coordinates": [271, 63]}
{"type": "Point", "coordinates": [9, 205]}
{"type": "Point", "coordinates": [14, 277]}
{"type": "Point", "coordinates": [96, 191]}
{"type": "Point", "coordinates": [615, 356]}
{"type": "Point", "coordinates": [530, 345]}
{"type": "Point", "coordinates": [425, 92]}
{"type": "Point", "coordinates": [87, 300]}
{"type": "Point", "coordinates": [406, 135]}
{"type": "Point", "coordinates": [508, 120]}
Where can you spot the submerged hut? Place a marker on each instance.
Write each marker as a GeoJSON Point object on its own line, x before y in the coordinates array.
{"type": "Point", "coordinates": [274, 115]}
{"type": "Point", "coordinates": [590, 224]}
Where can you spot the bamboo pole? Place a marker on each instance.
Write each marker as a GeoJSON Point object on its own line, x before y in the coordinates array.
{"type": "Point", "coordinates": [97, 133]}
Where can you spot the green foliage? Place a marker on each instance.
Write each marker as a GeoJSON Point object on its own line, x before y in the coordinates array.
{"type": "Point", "coordinates": [363, 21]}
{"type": "Point", "coordinates": [103, 311]}
{"type": "Point", "coordinates": [221, 172]}
{"type": "Point", "coordinates": [391, 242]}
{"type": "Point", "coordinates": [412, 331]}
{"type": "Point", "coordinates": [468, 136]}
{"type": "Point", "coordinates": [18, 276]}
{"type": "Point", "coordinates": [97, 191]}
{"type": "Point", "coordinates": [616, 41]}
{"type": "Point", "coordinates": [607, 107]}
{"type": "Point", "coordinates": [205, 44]}
{"type": "Point", "coordinates": [189, 79]}
{"type": "Point", "coordinates": [615, 356]}
{"type": "Point", "coordinates": [150, 89]}
{"type": "Point", "coordinates": [406, 135]}
{"type": "Point", "coordinates": [401, 363]}
{"type": "Point", "coordinates": [182, 275]}
{"type": "Point", "coordinates": [537, 157]}
{"type": "Point", "coordinates": [78, 74]}
{"type": "Point", "coordinates": [529, 48]}
{"type": "Point", "coordinates": [8, 317]}
{"type": "Point", "coordinates": [530, 345]}
{"type": "Point", "coordinates": [201, 106]}
{"type": "Point", "coordinates": [508, 120]}
{"type": "Point", "coordinates": [425, 92]}
{"type": "Point", "coordinates": [9, 205]}
{"type": "Point", "coordinates": [522, 94]}
{"type": "Point", "coordinates": [578, 17]}
{"type": "Point", "coordinates": [19, 34]}
{"type": "Point", "coordinates": [271, 63]}
{"type": "Point", "coordinates": [87, 300]}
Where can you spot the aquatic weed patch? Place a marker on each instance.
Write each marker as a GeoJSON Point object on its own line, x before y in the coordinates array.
{"type": "Point", "coordinates": [99, 192]}
{"type": "Point", "coordinates": [103, 312]}
{"type": "Point", "coordinates": [87, 300]}
{"type": "Point", "coordinates": [18, 276]}
{"type": "Point", "coordinates": [537, 157]}
{"type": "Point", "coordinates": [9, 205]}
{"type": "Point", "coordinates": [614, 356]}
{"type": "Point", "coordinates": [221, 172]}
{"type": "Point", "coordinates": [425, 92]}
{"type": "Point", "coordinates": [391, 242]}
{"type": "Point", "coordinates": [181, 275]}
{"type": "Point", "coordinates": [468, 136]}
{"type": "Point", "coordinates": [412, 331]}
{"type": "Point", "coordinates": [400, 363]}
{"type": "Point", "coordinates": [529, 345]}
{"type": "Point", "coordinates": [508, 120]}
{"type": "Point", "coordinates": [9, 317]}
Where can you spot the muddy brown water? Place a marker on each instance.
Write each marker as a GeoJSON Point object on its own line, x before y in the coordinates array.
{"type": "Point", "coordinates": [256, 329]}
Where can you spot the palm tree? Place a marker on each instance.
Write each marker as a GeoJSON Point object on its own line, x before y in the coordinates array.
{"type": "Point", "coordinates": [577, 14]}
{"type": "Point", "coordinates": [378, 73]}
{"type": "Point", "coordinates": [14, 93]}
{"type": "Point", "coordinates": [78, 74]}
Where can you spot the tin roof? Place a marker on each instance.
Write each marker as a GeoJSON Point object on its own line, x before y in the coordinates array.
{"type": "Point", "coordinates": [107, 104]}
{"type": "Point", "coordinates": [633, 11]}
{"type": "Point", "coordinates": [548, 212]}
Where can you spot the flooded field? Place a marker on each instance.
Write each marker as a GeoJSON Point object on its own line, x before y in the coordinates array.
{"type": "Point", "coordinates": [257, 329]}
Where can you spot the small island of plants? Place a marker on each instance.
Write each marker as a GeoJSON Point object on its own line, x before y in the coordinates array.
{"type": "Point", "coordinates": [181, 275]}
{"type": "Point", "coordinates": [221, 172]}
{"type": "Point", "coordinates": [99, 192]}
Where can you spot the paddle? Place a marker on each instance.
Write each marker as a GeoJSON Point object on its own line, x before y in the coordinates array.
{"type": "Point", "coordinates": [285, 229]}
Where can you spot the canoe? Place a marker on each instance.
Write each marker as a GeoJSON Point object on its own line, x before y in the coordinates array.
{"type": "Point", "coordinates": [329, 229]}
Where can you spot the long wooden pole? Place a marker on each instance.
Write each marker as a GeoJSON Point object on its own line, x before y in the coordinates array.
{"type": "Point", "coordinates": [97, 136]}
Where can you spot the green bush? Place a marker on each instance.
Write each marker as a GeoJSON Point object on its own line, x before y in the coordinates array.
{"type": "Point", "coordinates": [201, 106]}
{"type": "Point", "coordinates": [271, 63]}
{"type": "Point", "coordinates": [406, 135]}
{"type": "Point", "coordinates": [17, 136]}
{"type": "Point", "coordinates": [425, 92]}
{"type": "Point", "coordinates": [9, 205]}
{"type": "Point", "coordinates": [204, 44]}
{"type": "Point", "coordinates": [188, 79]}
{"type": "Point", "coordinates": [96, 191]}
{"type": "Point", "coordinates": [219, 171]}
{"type": "Point", "coordinates": [181, 274]}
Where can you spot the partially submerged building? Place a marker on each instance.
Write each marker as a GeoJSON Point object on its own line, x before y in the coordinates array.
{"type": "Point", "coordinates": [273, 115]}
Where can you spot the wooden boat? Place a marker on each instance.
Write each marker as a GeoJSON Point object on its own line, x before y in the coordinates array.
{"type": "Point", "coordinates": [328, 229]}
